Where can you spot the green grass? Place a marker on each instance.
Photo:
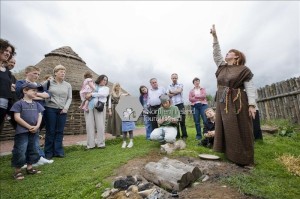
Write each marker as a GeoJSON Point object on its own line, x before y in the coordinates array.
{"type": "Point", "coordinates": [77, 175]}
{"type": "Point", "coordinates": [269, 178]}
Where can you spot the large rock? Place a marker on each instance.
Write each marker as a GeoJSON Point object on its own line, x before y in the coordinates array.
{"type": "Point", "coordinates": [269, 129]}
{"type": "Point", "coordinates": [170, 148]}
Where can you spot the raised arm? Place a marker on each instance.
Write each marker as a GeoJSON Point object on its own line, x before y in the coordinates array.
{"type": "Point", "coordinates": [218, 58]}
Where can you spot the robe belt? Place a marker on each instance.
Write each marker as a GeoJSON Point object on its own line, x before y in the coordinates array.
{"type": "Point", "coordinates": [224, 97]}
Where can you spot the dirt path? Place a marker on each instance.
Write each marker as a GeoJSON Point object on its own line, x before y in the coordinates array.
{"type": "Point", "coordinates": [79, 139]}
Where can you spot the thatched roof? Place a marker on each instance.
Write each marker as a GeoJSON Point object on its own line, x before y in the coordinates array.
{"type": "Point", "coordinates": [75, 66]}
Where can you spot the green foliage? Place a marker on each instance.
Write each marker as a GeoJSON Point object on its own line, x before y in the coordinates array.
{"type": "Point", "coordinates": [286, 131]}
{"type": "Point", "coordinates": [285, 127]}
{"type": "Point", "coordinates": [209, 98]}
{"type": "Point", "coordinates": [140, 122]}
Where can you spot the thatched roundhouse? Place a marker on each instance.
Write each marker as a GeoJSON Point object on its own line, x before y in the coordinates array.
{"type": "Point", "coordinates": [75, 68]}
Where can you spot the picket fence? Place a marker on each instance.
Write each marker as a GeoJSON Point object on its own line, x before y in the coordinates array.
{"type": "Point", "coordinates": [280, 100]}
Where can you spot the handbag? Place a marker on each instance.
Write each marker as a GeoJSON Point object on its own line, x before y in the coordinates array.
{"type": "Point", "coordinates": [99, 106]}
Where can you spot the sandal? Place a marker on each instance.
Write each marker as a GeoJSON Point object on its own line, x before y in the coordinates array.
{"type": "Point", "coordinates": [18, 176]}
{"type": "Point", "coordinates": [33, 171]}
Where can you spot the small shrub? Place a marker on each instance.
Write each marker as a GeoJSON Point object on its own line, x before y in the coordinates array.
{"type": "Point", "coordinates": [285, 127]}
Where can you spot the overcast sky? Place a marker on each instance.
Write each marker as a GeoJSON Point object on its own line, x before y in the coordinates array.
{"type": "Point", "coordinates": [133, 41]}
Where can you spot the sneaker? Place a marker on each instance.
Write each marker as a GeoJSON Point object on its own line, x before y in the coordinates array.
{"type": "Point", "coordinates": [162, 142]}
{"type": "Point", "coordinates": [45, 161]}
{"type": "Point", "coordinates": [198, 137]}
{"type": "Point", "coordinates": [130, 145]}
{"type": "Point", "coordinates": [37, 164]}
{"type": "Point", "coordinates": [124, 145]}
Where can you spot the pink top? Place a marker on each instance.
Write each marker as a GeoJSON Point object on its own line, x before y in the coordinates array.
{"type": "Point", "coordinates": [85, 88]}
{"type": "Point", "coordinates": [197, 97]}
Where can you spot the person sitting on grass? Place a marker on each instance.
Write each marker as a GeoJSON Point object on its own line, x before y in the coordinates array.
{"type": "Point", "coordinates": [209, 129]}
{"type": "Point", "coordinates": [167, 119]}
{"type": "Point", "coordinates": [28, 115]}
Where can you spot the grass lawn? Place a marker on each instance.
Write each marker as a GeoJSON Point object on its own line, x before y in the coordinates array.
{"type": "Point", "coordinates": [77, 175]}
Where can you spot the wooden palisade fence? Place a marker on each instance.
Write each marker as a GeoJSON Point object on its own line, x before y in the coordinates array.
{"type": "Point", "coordinates": [280, 100]}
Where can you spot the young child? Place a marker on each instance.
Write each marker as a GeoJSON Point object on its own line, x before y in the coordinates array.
{"type": "Point", "coordinates": [127, 127]}
{"type": "Point", "coordinates": [32, 74]}
{"type": "Point", "coordinates": [209, 129]}
{"type": "Point", "coordinates": [88, 86]}
{"type": "Point", "coordinates": [28, 115]}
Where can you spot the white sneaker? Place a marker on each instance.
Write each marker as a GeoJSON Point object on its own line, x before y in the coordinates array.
{"type": "Point", "coordinates": [124, 145]}
{"type": "Point", "coordinates": [130, 144]}
{"type": "Point", "coordinates": [37, 164]}
{"type": "Point", "coordinates": [45, 161]}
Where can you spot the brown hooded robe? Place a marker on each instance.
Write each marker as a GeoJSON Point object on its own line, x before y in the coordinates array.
{"type": "Point", "coordinates": [233, 131]}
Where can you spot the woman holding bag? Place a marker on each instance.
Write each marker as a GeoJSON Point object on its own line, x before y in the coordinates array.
{"type": "Point", "coordinates": [95, 119]}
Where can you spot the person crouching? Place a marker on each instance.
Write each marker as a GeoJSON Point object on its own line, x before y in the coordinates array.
{"type": "Point", "coordinates": [167, 119]}
{"type": "Point", "coordinates": [209, 129]}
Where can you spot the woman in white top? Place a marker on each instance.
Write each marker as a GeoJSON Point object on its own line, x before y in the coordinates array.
{"type": "Point", "coordinates": [94, 118]}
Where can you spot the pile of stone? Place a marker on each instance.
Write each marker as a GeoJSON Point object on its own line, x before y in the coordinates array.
{"type": "Point", "coordinates": [166, 174]}
{"type": "Point", "coordinates": [135, 187]}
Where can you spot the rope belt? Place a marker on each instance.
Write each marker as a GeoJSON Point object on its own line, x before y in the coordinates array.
{"type": "Point", "coordinates": [225, 95]}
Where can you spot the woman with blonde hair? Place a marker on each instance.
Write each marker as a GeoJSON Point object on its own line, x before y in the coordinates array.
{"type": "Point", "coordinates": [114, 123]}
{"type": "Point", "coordinates": [56, 109]}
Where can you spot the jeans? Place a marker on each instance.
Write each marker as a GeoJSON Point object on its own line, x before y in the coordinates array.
{"type": "Point", "coordinates": [153, 116]}
{"type": "Point", "coordinates": [37, 144]}
{"type": "Point", "coordinates": [181, 122]}
{"type": "Point", "coordinates": [148, 126]}
{"type": "Point", "coordinates": [199, 110]}
{"type": "Point", "coordinates": [256, 127]}
{"type": "Point", "coordinates": [24, 150]}
{"type": "Point", "coordinates": [2, 115]}
{"type": "Point", "coordinates": [55, 124]}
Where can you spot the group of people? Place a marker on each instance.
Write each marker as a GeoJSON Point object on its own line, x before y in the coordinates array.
{"type": "Point", "coordinates": [96, 99]}
{"type": "Point", "coordinates": [164, 107]}
{"type": "Point", "coordinates": [229, 129]}
{"type": "Point", "coordinates": [31, 106]}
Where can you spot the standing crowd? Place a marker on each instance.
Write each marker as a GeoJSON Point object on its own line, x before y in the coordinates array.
{"type": "Point", "coordinates": [31, 106]}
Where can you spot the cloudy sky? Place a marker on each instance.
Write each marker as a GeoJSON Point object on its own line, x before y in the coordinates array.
{"type": "Point", "coordinates": [133, 41]}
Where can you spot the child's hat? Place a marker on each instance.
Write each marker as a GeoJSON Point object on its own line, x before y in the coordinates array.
{"type": "Point", "coordinates": [163, 98]}
{"type": "Point", "coordinates": [32, 86]}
